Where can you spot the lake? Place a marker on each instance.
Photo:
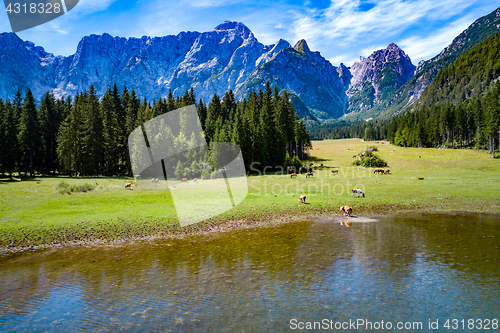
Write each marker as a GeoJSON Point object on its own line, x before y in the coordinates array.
{"type": "Point", "coordinates": [407, 271]}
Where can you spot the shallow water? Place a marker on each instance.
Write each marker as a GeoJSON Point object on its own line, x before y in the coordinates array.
{"type": "Point", "coordinates": [401, 269]}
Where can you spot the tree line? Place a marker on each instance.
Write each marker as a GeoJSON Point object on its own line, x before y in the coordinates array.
{"type": "Point", "coordinates": [88, 136]}
{"type": "Point", "coordinates": [460, 108]}
{"type": "Point", "coordinates": [475, 122]}
{"type": "Point", "coordinates": [367, 130]}
{"type": "Point", "coordinates": [471, 123]}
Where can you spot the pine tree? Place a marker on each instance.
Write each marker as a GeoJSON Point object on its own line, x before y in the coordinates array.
{"type": "Point", "coordinates": [110, 131]}
{"type": "Point", "coordinates": [171, 104]}
{"type": "Point", "coordinates": [92, 134]}
{"type": "Point", "coordinates": [213, 114]}
{"type": "Point", "coordinates": [29, 132]}
{"type": "Point", "coordinates": [49, 120]}
{"type": "Point", "coordinates": [11, 153]}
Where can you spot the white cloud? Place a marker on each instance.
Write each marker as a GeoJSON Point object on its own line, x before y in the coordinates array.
{"type": "Point", "coordinates": [367, 51]}
{"type": "Point", "coordinates": [212, 3]}
{"type": "Point", "coordinates": [345, 21]}
{"type": "Point", "coordinates": [425, 48]}
{"type": "Point", "coordinates": [347, 59]}
{"type": "Point", "coordinates": [92, 6]}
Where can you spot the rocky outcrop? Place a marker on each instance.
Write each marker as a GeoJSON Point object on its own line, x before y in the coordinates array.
{"type": "Point", "coordinates": [319, 85]}
{"type": "Point", "coordinates": [210, 62]}
{"type": "Point", "coordinates": [377, 77]}
{"type": "Point", "coordinates": [230, 57]}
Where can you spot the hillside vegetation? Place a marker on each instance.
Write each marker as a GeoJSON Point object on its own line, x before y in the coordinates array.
{"type": "Point", "coordinates": [460, 108]}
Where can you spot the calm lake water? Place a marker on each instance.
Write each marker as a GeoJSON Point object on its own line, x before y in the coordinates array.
{"type": "Point", "coordinates": [402, 269]}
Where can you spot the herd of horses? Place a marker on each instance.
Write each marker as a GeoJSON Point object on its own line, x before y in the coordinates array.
{"type": "Point", "coordinates": [347, 211]}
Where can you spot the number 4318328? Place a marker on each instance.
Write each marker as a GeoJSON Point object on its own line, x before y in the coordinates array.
{"type": "Point", "coordinates": [33, 8]}
{"type": "Point", "coordinates": [471, 324]}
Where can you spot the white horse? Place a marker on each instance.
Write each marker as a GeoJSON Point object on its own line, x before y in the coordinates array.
{"type": "Point", "coordinates": [358, 192]}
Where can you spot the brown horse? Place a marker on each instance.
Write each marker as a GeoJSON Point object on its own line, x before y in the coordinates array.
{"type": "Point", "coordinates": [293, 175]}
{"type": "Point", "coordinates": [184, 180]}
{"type": "Point", "coordinates": [347, 210]}
{"type": "Point", "coordinates": [302, 198]}
{"type": "Point", "coordinates": [309, 174]}
{"type": "Point", "coordinates": [387, 171]}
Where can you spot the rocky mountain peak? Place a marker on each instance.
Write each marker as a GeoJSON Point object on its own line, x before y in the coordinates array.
{"type": "Point", "coordinates": [302, 47]}
{"type": "Point", "coordinates": [378, 76]}
{"type": "Point", "coordinates": [393, 46]}
{"type": "Point", "coordinates": [239, 27]}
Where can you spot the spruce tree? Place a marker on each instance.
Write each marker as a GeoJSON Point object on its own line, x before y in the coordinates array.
{"type": "Point", "coordinates": [49, 120]}
{"type": "Point", "coordinates": [110, 132]}
{"type": "Point", "coordinates": [92, 134]}
{"type": "Point", "coordinates": [29, 133]}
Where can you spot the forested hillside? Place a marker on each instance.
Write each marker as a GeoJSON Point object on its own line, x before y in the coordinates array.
{"type": "Point", "coordinates": [88, 136]}
{"type": "Point", "coordinates": [403, 100]}
{"type": "Point", "coordinates": [468, 77]}
{"type": "Point", "coordinates": [460, 108]}
{"type": "Point", "coordinates": [473, 122]}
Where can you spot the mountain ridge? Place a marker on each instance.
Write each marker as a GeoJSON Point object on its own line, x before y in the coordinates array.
{"type": "Point", "coordinates": [230, 57]}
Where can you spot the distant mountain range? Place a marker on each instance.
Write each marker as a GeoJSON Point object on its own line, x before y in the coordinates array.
{"type": "Point", "coordinates": [230, 57]}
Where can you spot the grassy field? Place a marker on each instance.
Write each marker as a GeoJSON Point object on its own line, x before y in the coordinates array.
{"type": "Point", "coordinates": [422, 180]}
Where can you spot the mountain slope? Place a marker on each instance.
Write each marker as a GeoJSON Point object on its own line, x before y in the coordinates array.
{"type": "Point", "coordinates": [472, 74]}
{"type": "Point", "coordinates": [210, 62]}
{"type": "Point", "coordinates": [482, 29]}
{"type": "Point", "coordinates": [377, 77]}
{"type": "Point", "coordinates": [306, 74]}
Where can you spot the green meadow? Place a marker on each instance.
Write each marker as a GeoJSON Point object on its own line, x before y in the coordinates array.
{"type": "Point", "coordinates": [34, 212]}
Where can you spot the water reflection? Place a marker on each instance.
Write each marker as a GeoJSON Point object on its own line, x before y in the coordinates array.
{"type": "Point", "coordinates": [399, 269]}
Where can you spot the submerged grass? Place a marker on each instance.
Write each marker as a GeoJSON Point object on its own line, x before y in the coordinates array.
{"type": "Point", "coordinates": [32, 213]}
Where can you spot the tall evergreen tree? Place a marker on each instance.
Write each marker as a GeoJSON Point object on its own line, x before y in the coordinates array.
{"type": "Point", "coordinates": [49, 119]}
{"type": "Point", "coordinates": [92, 134]}
{"type": "Point", "coordinates": [110, 133]}
{"type": "Point", "coordinates": [29, 133]}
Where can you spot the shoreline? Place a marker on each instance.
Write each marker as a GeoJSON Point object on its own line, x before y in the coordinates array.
{"type": "Point", "coordinates": [36, 216]}
{"type": "Point", "coordinates": [225, 226]}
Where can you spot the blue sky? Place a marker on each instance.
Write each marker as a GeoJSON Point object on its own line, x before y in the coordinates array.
{"type": "Point", "coordinates": [342, 30]}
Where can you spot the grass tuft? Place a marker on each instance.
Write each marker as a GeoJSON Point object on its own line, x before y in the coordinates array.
{"type": "Point", "coordinates": [65, 188]}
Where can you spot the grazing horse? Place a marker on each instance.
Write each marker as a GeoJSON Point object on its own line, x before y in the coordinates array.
{"type": "Point", "coordinates": [128, 185]}
{"type": "Point", "coordinates": [379, 171]}
{"type": "Point", "coordinates": [354, 156]}
{"type": "Point", "coordinates": [358, 192]}
{"type": "Point", "coordinates": [309, 174]}
{"type": "Point", "coordinates": [293, 175]}
{"type": "Point", "coordinates": [184, 180]}
{"type": "Point", "coordinates": [195, 180]}
{"type": "Point", "coordinates": [387, 171]}
{"type": "Point", "coordinates": [335, 172]}
{"type": "Point", "coordinates": [153, 180]}
{"type": "Point", "coordinates": [302, 198]}
{"type": "Point", "coordinates": [347, 210]}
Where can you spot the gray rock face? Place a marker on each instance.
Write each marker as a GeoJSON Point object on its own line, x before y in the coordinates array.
{"type": "Point", "coordinates": [210, 62]}
{"type": "Point", "coordinates": [230, 57]}
{"type": "Point", "coordinates": [307, 75]}
{"type": "Point", "coordinates": [378, 76]}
